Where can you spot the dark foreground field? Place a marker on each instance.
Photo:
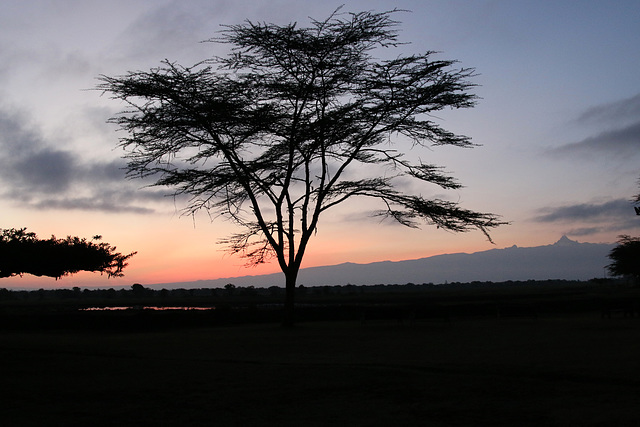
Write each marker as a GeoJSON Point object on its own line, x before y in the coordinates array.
{"type": "Point", "coordinates": [569, 370]}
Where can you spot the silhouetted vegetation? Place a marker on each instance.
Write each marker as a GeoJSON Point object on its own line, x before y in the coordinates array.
{"type": "Point", "coordinates": [626, 258]}
{"type": "Point", "coordinates": [276, 128]}
{"type": "Point", "coordinates": [21, 252]}
{"type": "Point", "coordinates": [143, 308]}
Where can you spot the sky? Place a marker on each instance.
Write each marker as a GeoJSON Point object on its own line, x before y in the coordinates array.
{"type": "Point", "coordinates": [557, 124]}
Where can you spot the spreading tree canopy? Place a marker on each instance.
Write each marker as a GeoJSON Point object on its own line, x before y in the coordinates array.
{"type": "Point", "coordinates": [21, 252]}
{"type": "Point", "coordinates": [293, 122]}
{"type": "Point", "coordinates": [626, 258]}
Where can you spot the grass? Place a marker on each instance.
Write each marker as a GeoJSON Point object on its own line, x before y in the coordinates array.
{"type": "Point", "coordinates": [573, 370]}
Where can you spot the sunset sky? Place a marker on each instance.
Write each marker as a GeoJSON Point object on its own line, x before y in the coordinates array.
{"type": "Point", "coordinates": [558, 123]}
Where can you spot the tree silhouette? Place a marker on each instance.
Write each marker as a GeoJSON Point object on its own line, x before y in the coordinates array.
{"type": "Point", "coordinates": [636, 199]}
{"type": "Point", "coordinates": [138, 290]}
{"type": "Point", "coordinates": [275, 134]}
{"type": "Point", "coordinates": [22, 252]}
{"type": "Point", "coordinates": [626, 258]}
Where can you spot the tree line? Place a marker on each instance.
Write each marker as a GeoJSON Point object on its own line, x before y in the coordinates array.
{"type": "Point", "coordinates": [231, 291]}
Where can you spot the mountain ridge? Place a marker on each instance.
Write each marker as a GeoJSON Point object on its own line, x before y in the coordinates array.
{"type": "Point", "coordinates": [565, 259]}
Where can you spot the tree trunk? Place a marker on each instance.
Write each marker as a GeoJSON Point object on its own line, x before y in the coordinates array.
{"type": "Point", "coordinates": [290, 290]}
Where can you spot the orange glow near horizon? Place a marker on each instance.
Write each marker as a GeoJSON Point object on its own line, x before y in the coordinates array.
{"type": "Point", "coordinates": [174, 250]}
{"type": "Point", "coordinates": [183, 262]}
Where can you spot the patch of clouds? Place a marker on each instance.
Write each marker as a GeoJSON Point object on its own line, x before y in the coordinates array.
{"type": "Point", "coordinates": [45, 170]}
{"type": "Point", "coordinates": [591, 218]}
{"type": "Point", "coordinates": [615, 112]}
{"type": "Point", "coordinates": [17, 135]}
{"type": "Point", "coordinates": [111, 171]}
{"type": "Point", "coordinates": [28, 164]}
{"type": "Point", "coordinates": [584, 211]}
{"type": "Point", "coordinates": [96, 203]}
{"type": "Point", "coordinates": [620, 142]}
{"type": "Point", "coordinates": [590, 231]}
{"type": "Point", "coordinates": [35, 174]}
{"type": "Point", "coordinates": [618, 134]}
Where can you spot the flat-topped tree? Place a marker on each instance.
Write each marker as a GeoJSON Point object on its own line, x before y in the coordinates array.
{"type": "Point", "coordinates": [22, 252]}
{"type": "Point", "coordinates": [270, 135]}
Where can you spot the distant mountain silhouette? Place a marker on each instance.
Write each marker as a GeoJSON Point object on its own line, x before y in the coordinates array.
{"type": "Point", "coordinates": [565, 259]}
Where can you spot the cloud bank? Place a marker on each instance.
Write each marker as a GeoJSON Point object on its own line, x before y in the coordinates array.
{"type": "Point", "coordinates": [37, 175]}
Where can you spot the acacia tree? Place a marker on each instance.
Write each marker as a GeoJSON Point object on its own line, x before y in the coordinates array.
{"type": "Point", "coordinates": [626, 258]}
{"type": "Point", "coordinates": [275, 133]}
{"type": "Point", "coordinates": [23, 252]}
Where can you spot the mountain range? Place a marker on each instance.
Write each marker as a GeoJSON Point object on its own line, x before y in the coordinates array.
{"type": "Point", "coordinates": [565, 259]}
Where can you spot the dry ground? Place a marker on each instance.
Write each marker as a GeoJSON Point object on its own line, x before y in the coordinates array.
{"type": "Point", "coordinates": [557, 371]}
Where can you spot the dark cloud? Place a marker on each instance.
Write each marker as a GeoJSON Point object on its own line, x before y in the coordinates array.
{"type": "Point", "coordinates": [624, 141]}
{"type": "Point", "coordinates": [45, 170]}
{"type": "Point", "coordinates": [618, 134]}
{"type": "Point", "coordinates": [16, 135]}
{"type": "Point", "coordinates": [586, 211]}
{"type": "Point", "coordinates": [90, 204]}
{"type": "Point", "coordinates": [112, 171]}
{"type": "Point", "coordinates": [614, 112]}
{"type": "Point", "coordinates": [39, 176]}
{"type": "Point", "coordinates": [585, 231]}
{"type": "Point", "coordinates": [591, 218]}
{"type": "Point", "coordinates": [27, 163]}
{"type": "Point", "coordinates": [589, 231]}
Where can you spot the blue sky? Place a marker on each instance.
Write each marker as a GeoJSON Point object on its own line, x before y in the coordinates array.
{"type": "Point", "coordinates": [558, 123]}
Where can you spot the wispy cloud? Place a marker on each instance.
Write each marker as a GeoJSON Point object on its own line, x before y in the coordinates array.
{"type": "Point", "coordinates": [619, 130]}
{"type": "Point", "coordinates": [90, 204]}
{"type": "Point", "coordinates": [591, 218]}
{"type": "Point", "coordinates": [615, 112]}
{"type": "Point", "coordinates": [585, 211]}
{"type": "Point", "coordinates": [623, 142]}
